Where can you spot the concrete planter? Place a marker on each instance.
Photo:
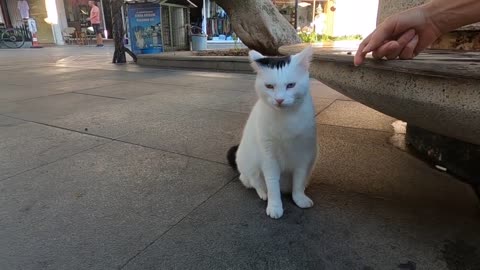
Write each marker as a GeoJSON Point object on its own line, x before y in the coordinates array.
{"type": "Point", "coordinates": [436, 92]}
{"type": "Point", "coordinates": [238, 64]}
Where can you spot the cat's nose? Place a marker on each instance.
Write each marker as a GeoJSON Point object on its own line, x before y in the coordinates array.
{"type": "Point", "coordinates": [279, 101]}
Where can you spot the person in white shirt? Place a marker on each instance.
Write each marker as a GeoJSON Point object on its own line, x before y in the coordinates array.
{"type": "Point", "coordinates": [24, 9]}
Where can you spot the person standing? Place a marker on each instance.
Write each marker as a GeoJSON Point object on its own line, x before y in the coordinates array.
{"type": "Point", "coordinates": [24, 9]}
{"type": "Point", "coordinates": [95, 21]}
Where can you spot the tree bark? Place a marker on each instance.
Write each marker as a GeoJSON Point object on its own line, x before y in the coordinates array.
{"type": "Point", "coordinates": [259, 25]}
{"type": "Point", "coordinates": [119, 56]}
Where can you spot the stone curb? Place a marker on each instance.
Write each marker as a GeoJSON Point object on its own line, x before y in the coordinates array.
{"type": "Point", "coordinates": [238, 64]}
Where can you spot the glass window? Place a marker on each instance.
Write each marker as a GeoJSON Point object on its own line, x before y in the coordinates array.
{"type": "Point", "coordinates": [218, 23]}
{"type": "Point", "coordinates": [77, 12]}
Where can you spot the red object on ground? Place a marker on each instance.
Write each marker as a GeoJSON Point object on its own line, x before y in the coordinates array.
{"type": "Point", "coordinates": [35, 43]}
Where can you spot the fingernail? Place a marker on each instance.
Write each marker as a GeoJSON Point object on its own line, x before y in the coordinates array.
{"type": "Point", "coordinates": [415, 39]}
{"type": "Point", "coordinates": [411, 32]}
{"type": "Point", "coordinates": [413, 43]}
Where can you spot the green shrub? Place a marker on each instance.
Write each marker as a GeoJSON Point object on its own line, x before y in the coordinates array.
{"type": "Point", "coordinates": [308, 37]}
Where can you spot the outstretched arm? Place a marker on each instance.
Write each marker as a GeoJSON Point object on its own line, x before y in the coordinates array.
{"type": "Point", "coordinates": [406, 34]}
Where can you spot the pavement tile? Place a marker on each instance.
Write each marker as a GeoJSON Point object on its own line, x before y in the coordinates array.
{"type": "Point", "coordinates": [97, 209]}
{"type": "Point", "coordinates": [355, 115]}
{"type": "Point", "coordinates": [25, 146]}
{"type": "Point", "coordinates": [206, 134]}
{"type": "Point", "coordinates": [9, 122]}
{"type": "Point", "coordinates": [342, 231]}
{"type": "Point", "coordinates": [179, 79]}
{"type": "Point", "coordinates": [128, 90]}
{"type": "Point", "coordinates": [49, 108]}
{"type": "Point", "coordinates": [11, 92]}
{"type": "Point", "coordinates": [320, 90]}
{"type": "Point", "coordinates": [124, 117]}
{"type": "Point", "coordinates": [364, 161]}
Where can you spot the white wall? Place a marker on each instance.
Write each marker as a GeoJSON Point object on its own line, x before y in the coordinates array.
{"type": "Point", "coordinates": [62, 16]}
{"type": "Point", "coordinates": [61, 24]}
{"type": "Point", "coordinates": [1, 16]}
{"type": "Point", "coordinates": [355, 17]}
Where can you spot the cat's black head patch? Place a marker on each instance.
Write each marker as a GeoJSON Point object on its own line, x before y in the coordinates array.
{"type": "Point", "coordinates": [274, 62]}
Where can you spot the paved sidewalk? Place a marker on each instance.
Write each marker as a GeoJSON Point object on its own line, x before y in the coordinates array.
{"type": "Point", "coordinates": [123, 167]}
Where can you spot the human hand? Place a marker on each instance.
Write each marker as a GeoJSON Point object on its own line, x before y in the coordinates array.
{"type": "Point", "coordinates": [403, 35]}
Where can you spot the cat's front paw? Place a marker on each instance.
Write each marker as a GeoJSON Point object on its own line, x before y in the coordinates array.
{"type": "Point", "coordinates": [275, 211]}
{"type": "Point", "coordinates": [302, 201]}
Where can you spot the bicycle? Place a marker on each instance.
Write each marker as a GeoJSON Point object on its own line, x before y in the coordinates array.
{"type": "Point", "coordinates": [11, 37]}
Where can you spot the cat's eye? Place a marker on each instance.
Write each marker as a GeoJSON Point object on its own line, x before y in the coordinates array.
{"type": "Point", "coordinates": [269, 86]}
{"type": "Point", "coordinates": [290, 85]}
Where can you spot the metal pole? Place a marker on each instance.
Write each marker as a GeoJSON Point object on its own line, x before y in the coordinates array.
{"type": "Point", "coordinates": [204, 17]}
{"type": "Point", "coordinates": [123, 17]}
{"type": "Point", "coordinates": [170, 26]}
{"type": "Point", "coordinates": [313, 14]}
{"type": "Point", "coordinates": [104, 25]}
{"type": "Point", "coordinates": [296, 14]}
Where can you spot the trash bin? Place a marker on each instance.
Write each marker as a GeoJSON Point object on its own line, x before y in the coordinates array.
{"type": "Point", "coordinates": [199, 42]}
{"type": "Point", "coordinates": [199, 39]}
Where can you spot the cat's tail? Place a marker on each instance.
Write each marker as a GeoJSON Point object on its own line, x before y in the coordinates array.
{"type": "Point", "coordinates": [232, 156]}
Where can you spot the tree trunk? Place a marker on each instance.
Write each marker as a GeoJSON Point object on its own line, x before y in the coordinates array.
{"type": "Point", "coordinates": [259, 25]}
{"type": "Point", "coordinates": [118, 34]}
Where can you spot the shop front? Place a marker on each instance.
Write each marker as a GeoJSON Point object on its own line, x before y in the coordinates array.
{"type": "Point", "coordinates": [15, 13]}
{"type": "Point", "coordinates": [77, 13]}
{"type": "Point", "coordinates": [154, 27]}
{"type": "Point", "coordinates": [52, 17]}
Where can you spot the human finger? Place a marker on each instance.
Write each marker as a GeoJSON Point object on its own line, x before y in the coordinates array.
{"type": "Point", "coordinates": [383, 32]}
{"type": "Point", "coordinates": [386, 49]}
{"type": "Point", "coordinates": [396, 48]}
{"type": "Point", "coordinates": [359, 55]}
{"type": "Point", "coordinates": [409, 51]}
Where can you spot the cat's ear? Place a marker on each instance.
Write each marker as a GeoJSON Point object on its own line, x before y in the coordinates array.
{"type": "Point", "coordinates": [303, 58]}
{"type": "Point", "coordinates": [254, 56]}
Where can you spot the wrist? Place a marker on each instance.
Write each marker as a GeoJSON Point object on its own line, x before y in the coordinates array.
{"type": "Point", "coordinates": [448, 15]}
{"type": "Point", "coordinates": [436, 16]}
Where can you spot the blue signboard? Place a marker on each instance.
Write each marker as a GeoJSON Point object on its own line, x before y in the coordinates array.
{"type": "Point", "coordinates": [145, 28]}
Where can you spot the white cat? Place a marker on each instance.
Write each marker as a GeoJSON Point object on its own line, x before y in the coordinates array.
{"type": "Point", "coordinates": [279, 144]}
